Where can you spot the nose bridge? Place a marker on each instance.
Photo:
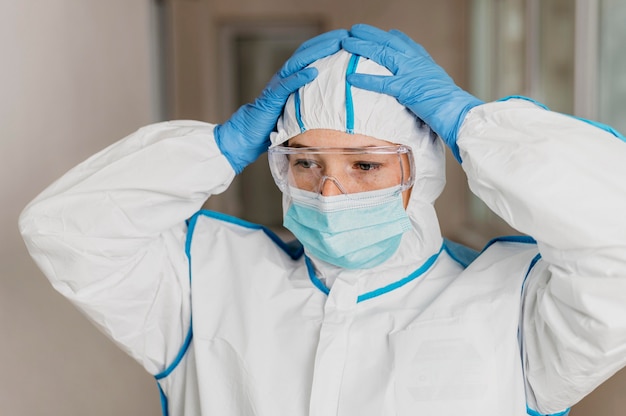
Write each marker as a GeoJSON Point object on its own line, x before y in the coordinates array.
{"type": "Point", "coordinates": [332, 175]}
{"type": "Point", "coordinates": [330, 186]}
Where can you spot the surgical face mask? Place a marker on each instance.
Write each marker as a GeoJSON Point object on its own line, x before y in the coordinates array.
{"type": "Point", "coordinates": [353, 231]}
{"type": "Point", "coordinates": [329, 170]}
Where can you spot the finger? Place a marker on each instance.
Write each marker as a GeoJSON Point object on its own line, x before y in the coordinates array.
{"type": "Point", "coordinates": [290, 84]}
{"type": "Point", "coordinates": [413, 48]}
{"type": "Point", "coordinates": [373, 34]}
{"type": "Point", "coordinates": [367, 32]}
{"type": "Point", "coordinates": [278, 92]}
{"type": "Point", "coordinates": [333, 34]}
{"type": "Point", "coordinates": [310, 54]}
{"type": "Point", "coordinates": [382, 84]}
{"type": "Point", "coordinates": [389, 58]}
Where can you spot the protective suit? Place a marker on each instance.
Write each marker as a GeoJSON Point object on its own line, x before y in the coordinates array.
{"type": "Point", "coordinates": [232, 321]}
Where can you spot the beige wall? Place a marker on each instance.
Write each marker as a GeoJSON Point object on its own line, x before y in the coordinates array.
{"type": "Point", "coordinates": [75, 76]}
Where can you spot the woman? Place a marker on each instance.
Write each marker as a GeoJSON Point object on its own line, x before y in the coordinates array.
{"type": "Point", "coordinates": [376, 315]}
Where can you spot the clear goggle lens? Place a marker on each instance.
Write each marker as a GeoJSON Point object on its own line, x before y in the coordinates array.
{"type": "Point", "coordinates": [334, 170]}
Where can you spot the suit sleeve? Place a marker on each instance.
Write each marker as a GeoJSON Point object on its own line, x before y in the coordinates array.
{"type": "Point", "coordinates": [110, 234]}
{"type": "Point", "coordinates": [562, 181]}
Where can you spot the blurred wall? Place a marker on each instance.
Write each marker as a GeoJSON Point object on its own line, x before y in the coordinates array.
{"type": "Point", "coordinates": [75, 75]}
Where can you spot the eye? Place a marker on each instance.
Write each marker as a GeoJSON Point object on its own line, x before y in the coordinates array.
{"type": "Point", "coordinates": [305, 163]}
{"type": "Point", "coordinates": [366, 166]}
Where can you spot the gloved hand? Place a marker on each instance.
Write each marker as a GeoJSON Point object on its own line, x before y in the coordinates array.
{"type": "Point", "coordinates": [417, 82]}
{"type": "Point", "coordinates": [245, 136]}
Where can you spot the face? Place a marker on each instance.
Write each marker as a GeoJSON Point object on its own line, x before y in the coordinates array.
{"type": "Point", "coordinates": [342, 172]}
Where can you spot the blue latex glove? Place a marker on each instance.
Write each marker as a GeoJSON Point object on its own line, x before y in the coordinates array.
{"type": "Point", "coordinates": [245, 136]}
{"type": "Point", "coordinates": [417, 82]}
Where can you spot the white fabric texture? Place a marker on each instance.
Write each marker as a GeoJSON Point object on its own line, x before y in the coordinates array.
{"type": "Point", "coordinates": [426, 337]}
{"type": "Point", "coordinates": [560, 180]}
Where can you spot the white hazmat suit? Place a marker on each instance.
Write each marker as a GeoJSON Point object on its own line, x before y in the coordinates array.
{"type": "Point", "coordinates": [232, 321]}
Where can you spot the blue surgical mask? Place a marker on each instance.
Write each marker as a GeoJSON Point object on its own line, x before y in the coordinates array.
{"type": "Point", "coordinates": [353, 231]}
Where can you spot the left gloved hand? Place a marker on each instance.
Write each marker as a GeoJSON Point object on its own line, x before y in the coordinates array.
{"type": "Point", "coordinates": [417, 82]}
{"type": "Point", "coordinates": [245, 135]}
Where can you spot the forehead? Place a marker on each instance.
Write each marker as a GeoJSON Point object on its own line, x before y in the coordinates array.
{"type": "Point", "coordinates": [334, 138]}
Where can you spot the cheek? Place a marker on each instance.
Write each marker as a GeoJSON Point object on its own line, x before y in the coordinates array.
{"type": "Point", "coordinates": [406, 195]}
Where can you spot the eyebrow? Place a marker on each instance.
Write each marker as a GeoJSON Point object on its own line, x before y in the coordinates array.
{"type": "Point", "coordinates": [302, 146]}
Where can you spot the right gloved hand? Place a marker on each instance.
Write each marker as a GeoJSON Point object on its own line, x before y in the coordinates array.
{"type": "Point", "coordinates": [417, 82]}
{"type": "Point", "coordinates": [245, 136]}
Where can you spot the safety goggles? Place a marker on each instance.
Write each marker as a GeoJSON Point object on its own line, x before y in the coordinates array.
{"type": "Point", "coordinates": [331, 170]}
